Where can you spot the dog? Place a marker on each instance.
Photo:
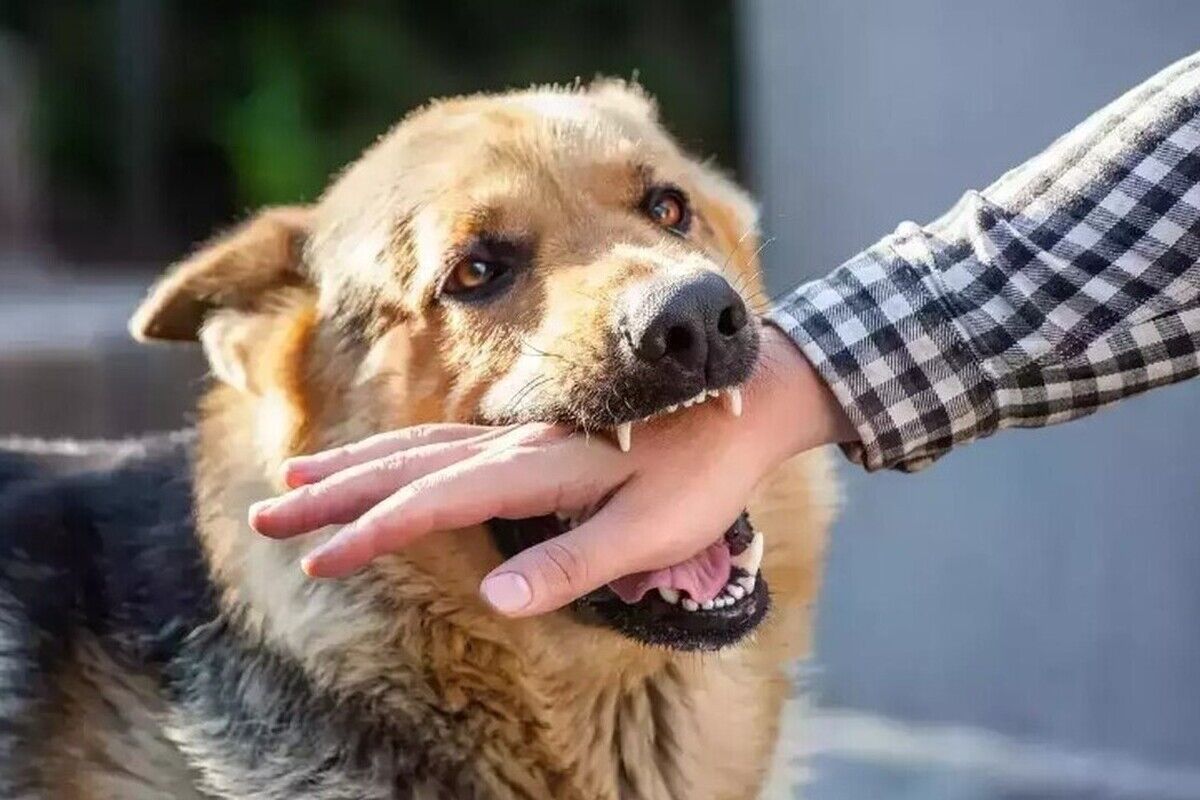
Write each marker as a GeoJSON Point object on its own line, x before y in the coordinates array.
{"type": "Point", "coordinates": [548, 254]}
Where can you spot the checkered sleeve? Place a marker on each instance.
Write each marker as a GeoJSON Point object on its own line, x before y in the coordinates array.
{"type": "Point", "coordinates": [1069, 284]}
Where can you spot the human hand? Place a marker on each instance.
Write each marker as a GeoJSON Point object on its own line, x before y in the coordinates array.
{"type": "Point", "coordinates": [685, 480]}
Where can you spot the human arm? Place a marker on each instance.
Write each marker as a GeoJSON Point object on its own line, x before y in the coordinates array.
{"type": "Point", "coordinates": [1069, 284]}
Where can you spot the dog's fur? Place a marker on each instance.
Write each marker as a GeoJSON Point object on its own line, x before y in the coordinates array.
{"type": "Point", "coordinates": [152, 646]}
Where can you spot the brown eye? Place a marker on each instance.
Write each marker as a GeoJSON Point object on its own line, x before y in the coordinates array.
{"type": "Point", "coordinates": [486, 267]}
{"type": "Point", "coordinates": [473, 273]}
{"type": "Point", "coordinates": [668, 207]}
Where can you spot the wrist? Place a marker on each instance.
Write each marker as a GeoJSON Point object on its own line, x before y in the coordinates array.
{"type": "Point", "coordinates": [794, 409]}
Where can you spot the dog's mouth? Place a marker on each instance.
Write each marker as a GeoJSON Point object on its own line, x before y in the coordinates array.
{"type": "Point", "coordinates": [706, 602]}
{"type": "Point", "coordinates": [709, 601]}
{"type": "Point", "coordinates": [730, 396]}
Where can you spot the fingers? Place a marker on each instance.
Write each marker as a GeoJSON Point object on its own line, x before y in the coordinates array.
{"type": "Point", "coordinates": [318, 466]}
{"type": "Point", "coordinates": [625, 537]}
{"type": "Point", "coordinates": [346, 495]}
{"type": "Point", "coordinates": [525, 480]}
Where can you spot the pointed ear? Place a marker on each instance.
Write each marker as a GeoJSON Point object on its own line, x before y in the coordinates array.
{"type": "Point", "coordinates": [235, 271]}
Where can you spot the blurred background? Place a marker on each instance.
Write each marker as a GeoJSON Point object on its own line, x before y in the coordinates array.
{"type": "Point", "coordinates": [1018, 622]}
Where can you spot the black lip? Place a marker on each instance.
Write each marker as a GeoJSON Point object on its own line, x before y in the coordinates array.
{"type": "Point", "coordinates": [651, 620]}
{"type": "Point", "coordinates": [654, 621]}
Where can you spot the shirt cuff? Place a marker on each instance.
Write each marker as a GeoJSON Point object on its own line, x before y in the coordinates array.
{"type": "Point", "coordinates": [880, 334]}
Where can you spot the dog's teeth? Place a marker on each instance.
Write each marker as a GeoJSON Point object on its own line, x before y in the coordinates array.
{"type": "Point", "coordinates": [625, 436]}
{"type": "Point", "coordinates": [700, 398]}
{"type": "Point", "coordinates": [707, 605]}
{"type": "Point", "coordinates": [668, 594]}
{"type": "Point", "coordinates": [689, 604]}
{"type": "Point", "coordinates": [672, 409]}
{"type": "Point", "coordinates": [750, 559]}
{"type": "Point", "coordinates": [735, 401]}
{"type": "Point", "coordinates": [714, 393]}
{"type": "Point", "coordinates": [735, 591]}
{"type": "Point", "coordinates": [746, 582]}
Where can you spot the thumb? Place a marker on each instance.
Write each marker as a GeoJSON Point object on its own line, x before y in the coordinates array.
{"type": "Point", "coordinates": [551, 574]}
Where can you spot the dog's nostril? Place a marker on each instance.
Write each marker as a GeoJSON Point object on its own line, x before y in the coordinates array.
{"type": "Point", "coordinates": [679, 339]}
{"type": "Point", "coordinates": [732, 319]}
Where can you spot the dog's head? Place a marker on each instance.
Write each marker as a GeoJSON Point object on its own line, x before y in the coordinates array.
{"type": "Point", "coordinates": [541, 255]}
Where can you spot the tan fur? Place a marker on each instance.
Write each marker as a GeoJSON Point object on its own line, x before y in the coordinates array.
{"type": "Point", "coordinates": [548, 708]}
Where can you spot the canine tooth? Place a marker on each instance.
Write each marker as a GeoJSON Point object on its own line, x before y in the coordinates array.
{"type": "Point", "coordinates": [735, 591]}
{"type": "Point", "coordinates": [672, 409]}
{"type": "Point", "coordinates": [668, 594]}
{"type": "Point", "coordinates": [735, 401]}
{"type": "Point", "coordinates": [714, 393]}
{"type": "Point", "coordinates": [747, 582]}
{"type": "Point", "coordinates": [750, 559]}
{"type": "Point", "coordinates": [700, 398]}
{"type": "Point", "coordinates": [625, 436]}
{"type": "Point", "coordinates": [707, 605]}
{"type": "Point", "coordinates": [689, 604]}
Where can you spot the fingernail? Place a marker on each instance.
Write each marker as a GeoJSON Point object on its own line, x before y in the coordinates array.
{"type": "Point", "coordinates": [507, 592]}
{"type": "Point", "coordinates": [260, 508]}
{"type": "Point", "coordinates": [309, 562]}
{"type": "Point", "coordinates": [291, 474]}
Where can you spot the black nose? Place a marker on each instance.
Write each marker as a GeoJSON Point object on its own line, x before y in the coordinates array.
{"type": "Point", "coordinates": [695, 328]}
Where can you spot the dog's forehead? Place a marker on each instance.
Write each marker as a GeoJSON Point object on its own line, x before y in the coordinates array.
{"type": "Point", "coordinates": [550, 129]}
{"type": "Point", "coordinates": [468, 153]}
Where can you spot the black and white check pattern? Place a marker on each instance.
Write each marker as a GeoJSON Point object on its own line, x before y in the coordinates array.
{"type": "Point", "coordinates": [1069, 284]}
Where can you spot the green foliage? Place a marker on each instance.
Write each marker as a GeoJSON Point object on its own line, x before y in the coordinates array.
{"type": "Point", "coordinates": [258, 102]}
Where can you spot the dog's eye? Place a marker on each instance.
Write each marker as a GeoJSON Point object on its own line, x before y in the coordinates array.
{"type": "Point", "coordinates": [486, 267]}
{"type": "Point", "coordinates": [473, 273]}
{"type": "Point", "coordinates": [668, 207]}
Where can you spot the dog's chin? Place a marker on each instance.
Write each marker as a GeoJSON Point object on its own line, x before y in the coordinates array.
{"type": "Point", "coordinates": [665, 615]}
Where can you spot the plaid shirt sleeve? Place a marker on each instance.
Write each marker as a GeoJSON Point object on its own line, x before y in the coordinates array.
{"type": "Point", "coordinates": [1069, 284]}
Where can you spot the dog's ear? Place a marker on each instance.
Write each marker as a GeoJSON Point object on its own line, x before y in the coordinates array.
{"type": "Point", "coordinates": [212, 296]}
{"type": "Point", "coordinates": [233, 271]}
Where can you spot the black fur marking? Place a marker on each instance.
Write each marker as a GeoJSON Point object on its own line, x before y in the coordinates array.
{"type": "Point", "coordinates": [282, 737]}
{"type": "Point", "coordinates": [97, 540]}
{"type": "Point", "coordinates": [99, 543]}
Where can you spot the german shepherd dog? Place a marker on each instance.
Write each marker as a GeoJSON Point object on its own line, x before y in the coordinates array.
{"type": "Point", "coordinates": [498, 258]}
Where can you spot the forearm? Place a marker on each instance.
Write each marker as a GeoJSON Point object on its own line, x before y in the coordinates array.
{"type": "Point", "coordinates": [1070, 283]}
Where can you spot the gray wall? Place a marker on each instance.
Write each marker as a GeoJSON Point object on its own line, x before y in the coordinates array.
{"type": "Point", "coordinates": [1044, 584]}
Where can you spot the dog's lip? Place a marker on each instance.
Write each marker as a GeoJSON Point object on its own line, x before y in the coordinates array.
{"type": "Point", "coordinates": [731, 397]}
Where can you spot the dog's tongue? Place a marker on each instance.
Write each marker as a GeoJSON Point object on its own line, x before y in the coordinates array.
{"type": "Point", "coordinates": [702, 576]}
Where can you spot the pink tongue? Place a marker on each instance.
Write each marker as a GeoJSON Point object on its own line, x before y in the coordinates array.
{"type": "Point", "coordinates": [702, 576]}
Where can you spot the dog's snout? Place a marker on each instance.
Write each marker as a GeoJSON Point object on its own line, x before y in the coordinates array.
{"type": "Point", "coordinates": [695, 327]}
